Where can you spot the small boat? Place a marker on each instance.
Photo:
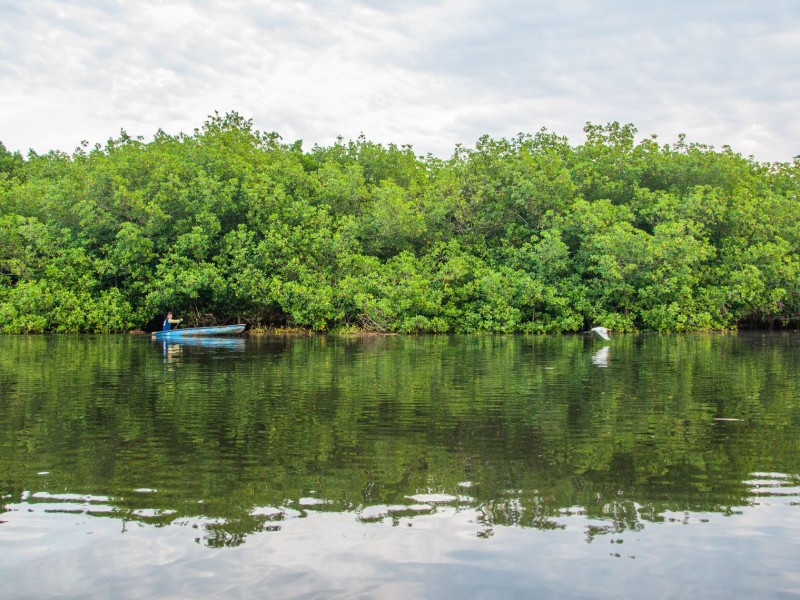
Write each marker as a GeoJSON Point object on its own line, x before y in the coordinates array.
{"type": "Point", "coordinates": [197, 331]}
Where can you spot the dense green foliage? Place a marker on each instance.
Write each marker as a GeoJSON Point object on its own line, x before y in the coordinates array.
{"type": "Point", "coordinates": [529, 234]}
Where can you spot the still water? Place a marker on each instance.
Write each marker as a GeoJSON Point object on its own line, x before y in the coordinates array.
{"type": "Point", "coordinates": [386, 467]}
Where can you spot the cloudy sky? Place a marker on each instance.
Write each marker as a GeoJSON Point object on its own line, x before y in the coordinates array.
{"type": "Point", "coordinates": [432, 74]}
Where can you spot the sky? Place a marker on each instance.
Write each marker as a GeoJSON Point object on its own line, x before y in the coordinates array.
{"type": "Point", "coordinates": [432, 74]}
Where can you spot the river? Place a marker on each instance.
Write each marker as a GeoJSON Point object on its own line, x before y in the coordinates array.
{"type": "Point", "coordinates": [460, 467]}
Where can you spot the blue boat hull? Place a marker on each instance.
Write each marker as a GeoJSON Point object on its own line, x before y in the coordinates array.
{"type": "Point", "coordinates": [198, 331]}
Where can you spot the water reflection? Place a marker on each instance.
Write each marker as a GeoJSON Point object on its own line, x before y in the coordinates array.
{"type": "Point", "coordinates": [600, 358]}
{"type": "Point", "coordinates": [491, 434]}
{"type": "Point", "coordinates": [173, 350]}
{"type": "Point", "coordinates": [228, 343]}
{"type": "Point", "coordinates": [608, 516]}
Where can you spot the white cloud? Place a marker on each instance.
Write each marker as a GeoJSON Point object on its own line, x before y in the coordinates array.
{"type": "Point", "coordinates": [430, 74]}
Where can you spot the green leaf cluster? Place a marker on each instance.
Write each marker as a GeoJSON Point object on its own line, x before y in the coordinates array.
{"type": "Point", "coordinates": [529, 234]}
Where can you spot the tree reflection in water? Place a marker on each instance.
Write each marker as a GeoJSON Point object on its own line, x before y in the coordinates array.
{"type": "Point", "coordinates": [234, 440]}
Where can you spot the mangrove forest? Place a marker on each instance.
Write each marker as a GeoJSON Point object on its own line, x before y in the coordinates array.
{"type": "Point", "coordinates": [524, 235]}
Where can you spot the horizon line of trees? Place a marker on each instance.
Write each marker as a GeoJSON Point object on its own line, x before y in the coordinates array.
{"type": "Point", "coordinates": [528, 234]}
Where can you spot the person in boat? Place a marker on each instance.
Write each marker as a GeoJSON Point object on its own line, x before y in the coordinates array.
{"type": "Point", "coordinates": [169, 322]}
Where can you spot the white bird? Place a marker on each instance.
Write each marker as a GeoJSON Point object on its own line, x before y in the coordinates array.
{"type": "Point", "coordinates": [602, 332]}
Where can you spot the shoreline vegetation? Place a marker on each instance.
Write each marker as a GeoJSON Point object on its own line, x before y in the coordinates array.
{"type": "Point", "coordinates": [523, 235]}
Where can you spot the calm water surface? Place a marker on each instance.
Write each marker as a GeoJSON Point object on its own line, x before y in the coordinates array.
{"type": "Point", "coordinates": [386, 467]}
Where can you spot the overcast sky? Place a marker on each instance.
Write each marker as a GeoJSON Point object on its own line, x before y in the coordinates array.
{"type": "Point", "coordinates": [432, 74]}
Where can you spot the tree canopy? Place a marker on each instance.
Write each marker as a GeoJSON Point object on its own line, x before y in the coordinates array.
{"type": "Point", "coordinates": [529, 234]}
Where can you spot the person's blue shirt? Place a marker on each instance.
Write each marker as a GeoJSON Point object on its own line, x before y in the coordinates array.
{"type": "Point", "coordinates": [169, 322]}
